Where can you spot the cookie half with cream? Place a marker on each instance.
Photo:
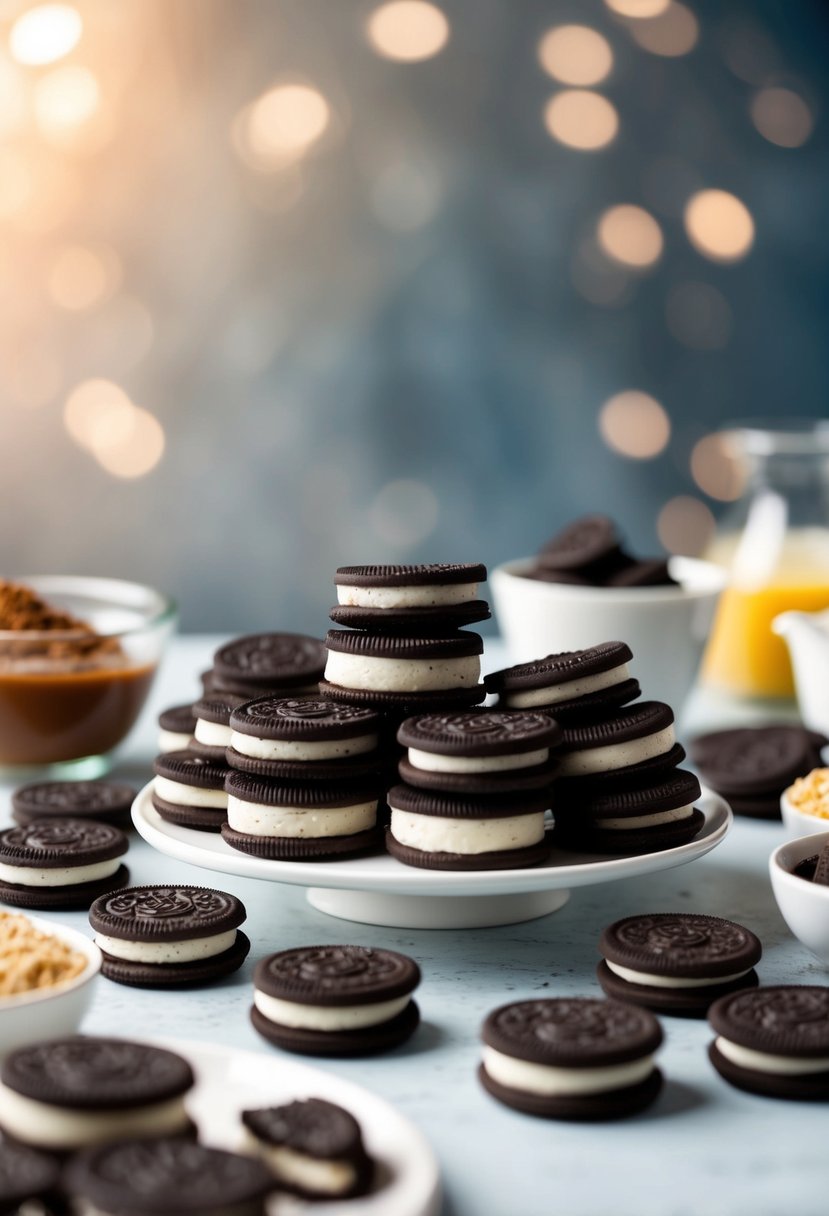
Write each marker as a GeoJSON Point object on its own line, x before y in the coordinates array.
{"type": "Point", "coordinates": [307, 739]}
{"type": "Point", "coordinates": [335, 1000]}
{"type": "Point", "coordinates": [165, 936]}
{"type": "Point", "coordinates": [646, 818]}
{"type": "Point", "coordinates": [314, 1148]}
{"type": "Point", "coordinates": [418, 600]}
{"type": "Point", "coordinates": [677, 962]}
{"type": "Point", "coordinates": [574, 682]}
{"type": "Point", "coordinates": [189, 790]}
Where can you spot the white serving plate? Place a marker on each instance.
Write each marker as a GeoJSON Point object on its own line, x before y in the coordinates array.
{"type": "Point", "coordinates": [379, 890]}
{"type": "Point", "coordinates": [229, 1081]}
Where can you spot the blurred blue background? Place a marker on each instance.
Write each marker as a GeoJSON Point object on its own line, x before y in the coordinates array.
{"type": "Point", "coordinates": [291, 284]}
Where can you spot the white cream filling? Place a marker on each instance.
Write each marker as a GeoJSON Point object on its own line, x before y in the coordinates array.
{"type": "Point", "coordinates": [327, 1017]}
{"type": "Point", "coordinates": [762, 1061]}
{"type": "Point", "coordinates": [166, 952]}
{"type": "Point", "coordinates": [65, 876]}
{"type": "Point", "coordinates": [407, 597]}
{"type": "Point", "coordinates": [552, 694]}
{"type": "Point", "coordinates": [548, 1080]}
{"type": "Point", "coordinates": [257, 820]}
{"type": "Point", "coordinates": [616, 755]}
{"type": "Point", "coordinates": [63, 1127]}
{"type": "Point", "coordinates": [436, 834]}
{"type": "Point", "coordinates": [212, 734]}
{"type": "Point", "coordinates": [328, 1176]}
{"type": "Point", "coordinates": [373, 674]}
{"type": "Point", "coordinates": [647, 821]}
{"type": "Point", "coordinates": [433, 762]}
{"type": "Point", "coordinates": [172, 741]}
{"type": "Point", "coordinates": [189, 795]}
{"type": "Point", "coordinates": [670, 981]}
{"type": "Point", "coordinates": [285, 749]}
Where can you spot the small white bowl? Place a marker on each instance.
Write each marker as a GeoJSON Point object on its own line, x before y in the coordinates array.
{"type": "Point", "coordinates": [48, 1013]}
{"type": "Point", "coordinates": [798, 823]}
{"type": "Point", "coordinates": [803, 905]}
{"type": "Point", "coordinates": [665, 627]}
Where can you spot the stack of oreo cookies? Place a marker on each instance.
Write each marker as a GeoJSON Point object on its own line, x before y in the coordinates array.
{"type": "Point", "coordinates": [750, 767]}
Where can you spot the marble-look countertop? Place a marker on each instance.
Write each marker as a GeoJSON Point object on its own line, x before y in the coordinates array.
{"type": "Point", "coordinates": [704, 1148]}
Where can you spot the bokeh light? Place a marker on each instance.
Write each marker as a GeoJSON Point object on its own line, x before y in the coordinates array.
{"type": "Point", "coordinates": [638, 9]}
{"type": "Point", "coordinates": [12, 97]}
{"type": "Point", "coordinates": [65, 98]}
{"type": "Point", "coordinates": [575, 54]}
{"type": "Point", "coordinates": [404, 513]}
{"type": "Point", "coordinates": [15, 182]}
{"type": "Point", "coordinates": [81, 277]}
{"type": "Point", "coordinates": [284, 123]}
{"type": "Point", "coordinates": [635, 425]}
{"type": "Point", "coordinates": [581, 119]}
{"type": "Point", "coordinates": [630, 235]}
{"type": "Point", "coordinates": [98, 413]}
{"type": "Point", "coordinates": [45, 33]}
{"type": "Point", "coordinates": [672, 33]}
{"type": "Point", "coordinates": [716, 469]}
{"type": "Point", "coordinates": [136, 453]}
{"type": "Point", "coordinates": [685, 525]}
{"type": "Point", "coordinates": [408, 30]}
{"type": "Point", "coordinates": [782, 117]}
{"type": "Point", "coordinates": [719, 225]}
{"type": "Point", "coordinates": [699, 316]}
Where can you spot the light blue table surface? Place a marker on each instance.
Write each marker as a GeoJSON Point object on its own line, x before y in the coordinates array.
{"type": "Point", "coordinates": [704, 1148]}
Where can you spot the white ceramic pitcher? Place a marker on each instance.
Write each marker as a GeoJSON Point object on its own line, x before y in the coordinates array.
{"type": "Point", "coordinates": [807, 636]}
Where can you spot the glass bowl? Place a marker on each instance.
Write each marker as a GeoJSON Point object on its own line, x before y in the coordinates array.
{"type": "Point", "coordinates": [69, 698]}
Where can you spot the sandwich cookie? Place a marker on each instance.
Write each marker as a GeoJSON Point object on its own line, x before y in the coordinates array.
{"type": "Point", "coordinates": [61, 863]}
{"type": "Point", "coordinates": [573, 682]}
{"type": "Point", "coordinates": [103, 801]}
{"type": "Point", "coordinates": [403, 673]}
{"type": "Point", "coordinates": [313, 1148]}
{"type": "Point", "coordinates": [175, 728]}
{"type": "Point", "coordinates": [646, 818]}
{"type": "Point", "coordinates": [638, 739]}
{"type": "Point", "coordinates": [335, 1000]}
{"type": "Point", "coordinates": [26, 1175]}
{"type": "Point", "coordinates": [467, 832]}
{"type": "Point", "coordinates": [190, 790]}
{"type": "Point", "coordinates": [294, 740]}
{"type": "Point", "coordinates": [582, 545]}
{"type": "Point", "coordinates": [571, 1058]}
{"type": "Point", "coordinates": [68, 1094]}
{"type": "Point", "coordinates": [677, 962]}
{"type": "Point", "coordinates": [211, 734]}
{"type": "Point", "coordinates": [168, 1177]}
{"type": "Point", "coordinates": [773, 1041]}
{"type": "Point", "coordinates": [169, 936]}
{"type": "Point", "coordinates": [285, 822]}
{"type": "Point", "coordinates": [261, 663]}
{"type": "Point", "coordinates": [415, 599]}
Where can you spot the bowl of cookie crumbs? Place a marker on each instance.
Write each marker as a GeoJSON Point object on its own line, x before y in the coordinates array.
{"type": "Point", "coordinates": [47, 979]}
{"type": "Point", "coordinates": [804, 805]}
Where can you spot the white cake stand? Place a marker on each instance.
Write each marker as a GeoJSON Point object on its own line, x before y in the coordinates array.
{"type": "Point", "coordinates": [381, 891]}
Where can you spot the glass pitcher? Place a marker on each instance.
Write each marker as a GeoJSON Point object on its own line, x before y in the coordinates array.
{"type": "Point", "coordinates": [775, 544]}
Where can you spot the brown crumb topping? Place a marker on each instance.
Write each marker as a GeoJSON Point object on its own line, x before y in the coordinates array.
{"type": "Point", "coordinates": [30, 959]}
{"type": "Point", "coordinates": [22, 611]}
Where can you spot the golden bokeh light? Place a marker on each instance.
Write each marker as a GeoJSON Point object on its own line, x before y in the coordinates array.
{"type": "Point", "coordinates": [136, 453]}
{"type": "Point", "coordinates": [635, 425]}
{"type": "Point", "coordinates": [782, 117]}
{"type": "Point", "coordinates": [581, 119]}
{"type": "Point", "coordinates": [637, 9]}
{"type": "Point", "coordinates": [716, 469]}
{"type": "Point", "coordinates": [98, 413]}
{"type": "Point", "coordinates": [408, 30]}
{"type": "Point", "coordinates": [12, 97]}
{"type": "Point", "coordinates": [81, 277]}
{"type": "Point", "coordinates": [15, 182]}
{"type": "Point", "coordinates": [45, 34]}
{"type": "Point", "coordinates": [719, 225]}
{"type": "Point", "coordinates": [284, 123]}
{"type": "Point", "coordinates": [699, 316]}
{"type": "Point", "coordinates": [575, 54]}
{"type": "Point", "coordinates": [630, 235]}
{"type": "Point", "coordinates": [33, 378]}
{"type": "Point", "coordinates": [65, 98]}
{"type": "Point", "coordinates": [672, 33]}
{"type": "Point", "coordinates": [55, 191]}
{"type": "Point", "coordinates": [685, 525]}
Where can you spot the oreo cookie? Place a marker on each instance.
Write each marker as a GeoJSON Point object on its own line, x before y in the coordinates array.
{"type": "Point", "coordinates": [26, 1176]}
{"type": "Point", "coordinates": [335, 1000]}
{"type": "Point", "coordinates": [175, 728]}
{"type": "Point", "coordinates": [61, 863]}
{"type": "Point", "coordinates": [189, 790]}
{"type": "Point", "coordinates": [314, 1148]}
{"type": "Point", "coordinates": [588, 553]}
{"type": "Point", "coordinates": [750, 767]}
{"type": "Point", "coordinates": [467, 832]}
{"type": "Point", "coordinates": [403, 670]}
{"type": "Point", "coordinates": [168, 1177]}
{"type": "Point", "coordinates": [574, 1059]}
{"type": "Point", "coordinates": [646, 818]}
{"type": "Point", "coordinates": [106, 801]}
{"type": "Point", "coordinates": [285, 822]}
{"type": "Point", "coordinates": [71, 1093]}
{"type": "Point", "coordinates": [416, 601]}
{"type": "Point", "coordinates": [269, 662]}
{"type": "Point", "coordinates": [169, 936]}
{"type": "Point", "coordinates": [309, 739]}
{"type": "Point", "coordinates": [677, 962]}
{"type": "Point", "coordinates": [585, 542]}
{"type": "Point", "coordinates": [774, 1041]}
{"type": "Point", "coordinates": [573, 682]}
{"type": "Point", "coordinates": [211, 735]}
{"type": "Point", "coordinates": [620, 742]}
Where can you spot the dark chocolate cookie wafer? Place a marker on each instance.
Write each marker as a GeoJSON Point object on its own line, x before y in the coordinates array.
{"type": "Point", "coordinates": [573, 682]}
{"type": "Point", "coordinates": [169, 936]}
{"type": "Point", "coordinates": [26, 1175]}
{"type": "Point", "coordinates": [169, 1177]}
{"type": "Point", "coordinates": [335, 1000]}
{"type": "Point", "coordinates": [774, 1041]}
{"type": "Point", "coordinates": [583, 542]}
{"type": "Point", "coordinates": [270, 660]}
{"type": "Point", "coordinates": [314, 1132]}
{"type": "Point", "coordinates": [107, 801]}
{"type": "Point", "coordinates": [434, 575]}
{"type": "Point", "coordinates": [309, 739]}
{"type": "Point", "coordinates": [754, 761]}
{"type": "Point", "coordinates": [647, 572]}
{"type": "Point", "coordinates": [404, 704]}
{"type": "Point", "coordinates": [61, 863]}
{"type": "Point", "coordinates": [424, 622]}
{"type": "Point", "coordinates": [542, 1056]}
{"type": "Point", "coordinates": [655, 815]}
{"type": "Point", "coordinates": [189, 790]}
{"type": "Point", "coordinates": [677, 962]}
